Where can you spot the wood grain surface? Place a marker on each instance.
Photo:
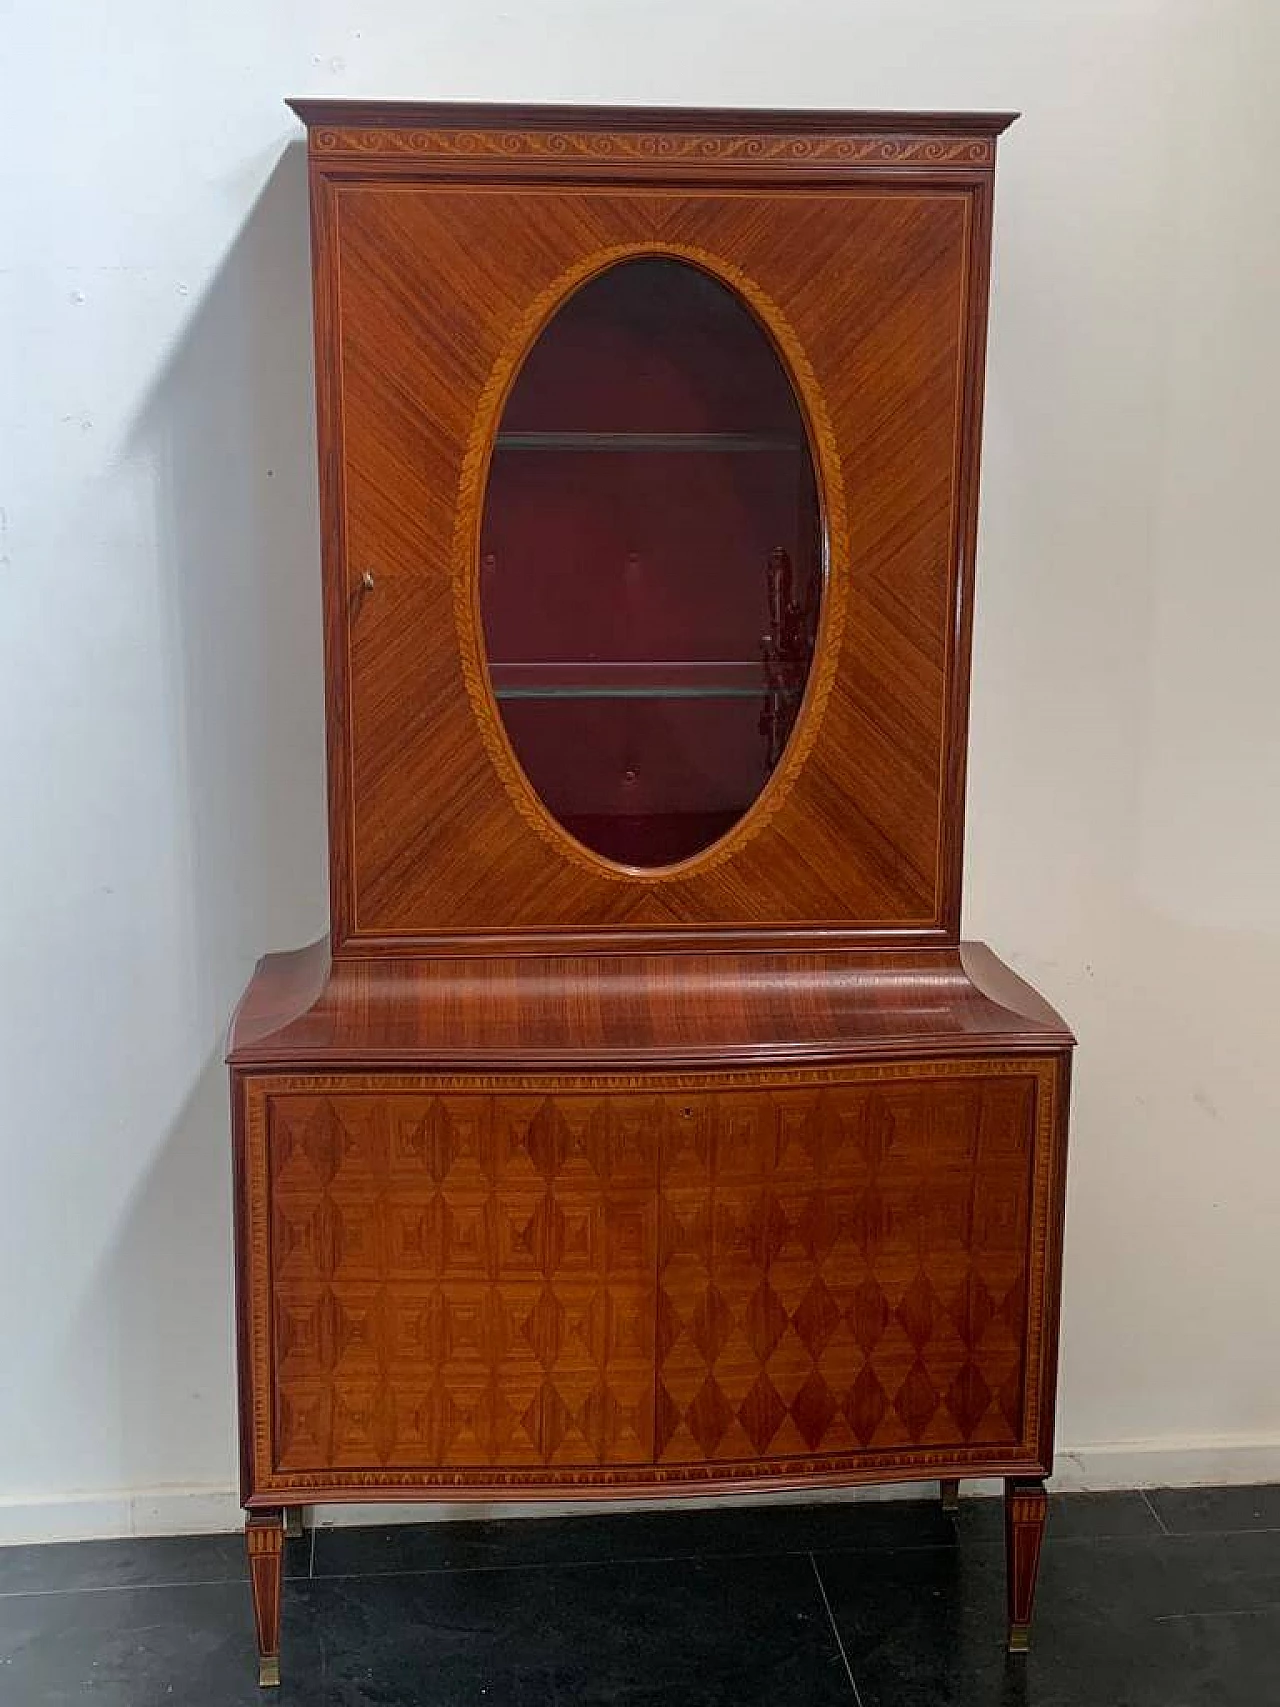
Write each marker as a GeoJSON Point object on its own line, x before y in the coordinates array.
{"type": "Point", "coordinates": [481, 1283]}
{"type": "Point", "coordinates": [587, 1012]}
{"type": "Point", "coordinates": [556, 1176]}
{"type": "Point", "coordinates": [429, 292]}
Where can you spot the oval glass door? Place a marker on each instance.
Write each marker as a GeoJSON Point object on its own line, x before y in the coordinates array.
{"type": "Point", "coordinates": [651, 562]}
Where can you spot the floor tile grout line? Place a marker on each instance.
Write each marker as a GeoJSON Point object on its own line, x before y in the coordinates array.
{"type": "Point", "coordinates": [1160, 1522]}
{"type": "Point", "coordinates": [1201, 1534]}
{"type": "Point", "coordinates": [556, 1565]}
{"type": "Point", "coordinates": [127, 1588]}
{"type": "Point", "coordinates": [835, 1631]}
{"type": "Point", "coordinates": [848, 1546]}
{"type": "Point", "coordinates": [628, 1561]}
{"type": "Point", "coordinates": [1209, 1534]}
{"type": "Point", "coordinates": [813, 1551]}
{"type": "Point", "coordinates": [1266, 1609]}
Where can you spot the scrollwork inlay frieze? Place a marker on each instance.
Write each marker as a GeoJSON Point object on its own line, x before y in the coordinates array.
{"type": "Point", "coordinates": [675, 148]}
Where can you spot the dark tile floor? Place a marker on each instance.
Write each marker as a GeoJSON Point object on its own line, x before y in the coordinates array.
{"type": "Point", "coordinates": [1170, 1599]}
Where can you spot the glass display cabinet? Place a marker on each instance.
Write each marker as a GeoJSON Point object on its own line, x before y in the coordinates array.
{"type": "Point", "coordinates": [642, 1124]}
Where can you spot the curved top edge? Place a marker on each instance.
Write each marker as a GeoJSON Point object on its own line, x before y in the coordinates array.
{"type": "Point", "coordinates": [474, 115]}
{"type": "Point", "coordinates": [284, 989]}
{"type": "Point", "coordinates": [1004, 989]}
{"type": "Point", "coordinates": [594, 1013]}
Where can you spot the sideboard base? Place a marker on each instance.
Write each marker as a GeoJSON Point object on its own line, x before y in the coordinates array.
{"type": "Point", "coordinates": [633, 1262]}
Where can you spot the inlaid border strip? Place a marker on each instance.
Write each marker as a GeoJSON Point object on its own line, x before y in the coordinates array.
{"type": "Point", "coordinates": [595, 147]}
{"type": "Point", "coordinates": [833, 604]}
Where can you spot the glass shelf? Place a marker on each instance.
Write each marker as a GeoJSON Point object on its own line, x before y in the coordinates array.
{"type": "Point", "coordinates": [716, 442]}
{"type": "Point", "coordinates": [672, 679]}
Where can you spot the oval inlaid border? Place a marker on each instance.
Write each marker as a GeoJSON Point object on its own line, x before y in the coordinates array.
{"type": "Point", "coordinates": [473, 483]}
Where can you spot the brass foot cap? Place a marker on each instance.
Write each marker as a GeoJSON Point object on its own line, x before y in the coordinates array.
{"type": "Point", "coordinates": [1019, 1638]}
{"type": "Point", "coordinates": [269, 1671]}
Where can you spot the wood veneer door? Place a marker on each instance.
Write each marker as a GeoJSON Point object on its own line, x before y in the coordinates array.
{"type": "Point", "coordinates": [845, 1270]}
{"type": "Point", "coordinates": [437, 294]}
{"type": "Point", "coordinates": [467, 1285]}
{"type": "Point", "coordinates": [460, 1282]}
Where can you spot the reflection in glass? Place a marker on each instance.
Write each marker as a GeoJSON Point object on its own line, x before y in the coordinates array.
{"type": "Point", "coordinates": [651, 562]}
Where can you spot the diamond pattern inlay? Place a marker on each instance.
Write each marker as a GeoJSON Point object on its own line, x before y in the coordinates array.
{"type": "Point", "coordinates": [915, 1312]}
{"type": "Point", "coordinates": [968, 1398]}
{"type": "Point", "coordinates": [464, 1280]}
{"type": "Point", "coordinates": [711, 1325]}
{"type": "Point", "coordinates": [472, 1280]}
{"type": "Point", "coordinates": [766, 1320]}
{"type": "Point", "coordinates": [818, 1316]}
{"type": "Point", "coordinates": [709, 1417]}
{"type": "Point", "coordinates": [812, 1253]}
{"type": "Point", "coordinates": [867, 1405]}
{"type": "Point", "coordinates": [762, 1414]}
{"type": "Point", "coordinates": [869, 1315]}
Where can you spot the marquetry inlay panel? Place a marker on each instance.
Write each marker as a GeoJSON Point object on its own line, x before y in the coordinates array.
{"type": "Point", "coordinates": [845, 1270]}
{"type": "Point", "coordinates": [461, 1280]}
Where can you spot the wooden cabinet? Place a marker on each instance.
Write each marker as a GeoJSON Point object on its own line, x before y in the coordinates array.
{"type": "Point", "coordinates": [642, 1123]}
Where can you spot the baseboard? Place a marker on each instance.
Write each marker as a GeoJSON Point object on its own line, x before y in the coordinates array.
{"type": "Point", "coordinates": [1207, 1461]}
{"type": "Point", "coordinates": [119, 1512]}
{"type": "Point", "coordinates": [199, 1510]}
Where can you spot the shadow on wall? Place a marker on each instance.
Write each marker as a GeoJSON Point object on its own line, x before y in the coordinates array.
{"type": "Point", "coordinates": [228, 429]}
{"type": "Point", "coordinates": [229, 425]}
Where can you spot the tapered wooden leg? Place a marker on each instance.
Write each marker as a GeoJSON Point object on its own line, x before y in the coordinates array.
{"type": "Point", "coordinates": [264, 1538]}
{"type": "Point", "coordinates": [950, 1491]}
{"type": "Point", "coordinates": [1026, 1505]}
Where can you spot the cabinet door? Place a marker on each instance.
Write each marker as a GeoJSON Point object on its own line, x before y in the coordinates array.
{"type": "Point", "coordinates": [845, 1270]}
{"type": "Point", "coordinates": [437, 294]}
{"type": "Point", "coordinates": [458, 1282]}
{"type": "Point", "coordinates": [456, 1285]}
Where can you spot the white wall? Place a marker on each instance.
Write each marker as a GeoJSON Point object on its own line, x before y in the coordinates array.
{"type": "Point", "coordinates": [160, 694]}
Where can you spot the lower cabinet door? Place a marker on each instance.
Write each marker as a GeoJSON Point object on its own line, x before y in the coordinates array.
{"type": "Point", "coordinates": [461, 1280]}
{"type": "Point", "coordinates": [494, 1283]}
